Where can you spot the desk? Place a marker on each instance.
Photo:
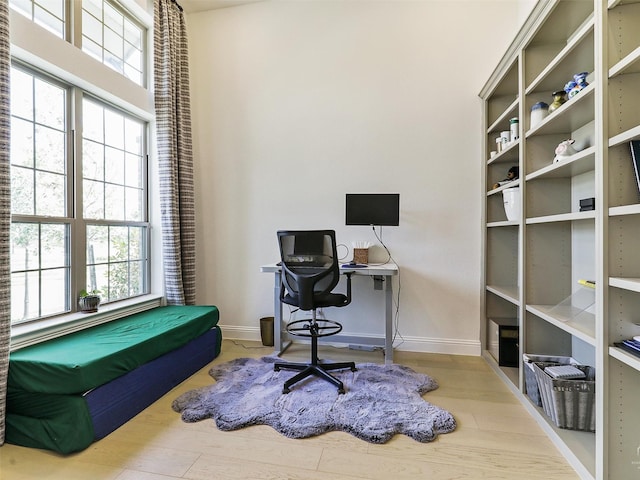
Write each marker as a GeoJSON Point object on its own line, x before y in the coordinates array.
{"type": "Point", "coordinates": [386, 271]}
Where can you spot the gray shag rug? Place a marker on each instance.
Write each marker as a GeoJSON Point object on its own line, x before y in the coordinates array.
{"type": "Point", "coordinates": [380, 401]}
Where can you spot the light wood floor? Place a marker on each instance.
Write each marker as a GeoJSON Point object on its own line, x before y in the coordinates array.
{"type": "Point", "coordinates": [495, 439]}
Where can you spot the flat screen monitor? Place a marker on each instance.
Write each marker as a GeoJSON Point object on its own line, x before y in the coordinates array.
{"type": "Point", "coordinates": [381, 209]}
{"type": "Point", "coordinates": [635, 158]}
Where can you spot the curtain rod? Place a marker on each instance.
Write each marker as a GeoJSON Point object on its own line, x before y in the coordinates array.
{"type": "Point", "coordinates": [177, 4]}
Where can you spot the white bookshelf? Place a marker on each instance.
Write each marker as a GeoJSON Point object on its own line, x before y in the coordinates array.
{"type": "Point", "coordinates": [531, 267]}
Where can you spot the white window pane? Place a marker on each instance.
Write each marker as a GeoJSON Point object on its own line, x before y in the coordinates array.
{"type": "Point", "coordinates": [118, 280]}
{"type": "Point", "coordinates": [98, 279]}
{"type": "Point", "coordinates": [114, 129]}
{"type": "Point", "coordinates": [133, 131]}
{"type": "Point", "coordinates": [24, 246]}
{"type": "Point", "coordinates": [94, 7]}
{"type": "Point", "coordinates": [114, 202]}
{"type": "Point", "coordinates": [135, 243]}
{"type": "Point", "coordinates": [113, 19]}
{"type": "Point", "coordinates": [21, 94]}
{"type": "Point", "coordinates": [133, 34]}
{"type": "Point", "coordinates": [133, 74]}
{"type": "Point", "coordinates": [93, 199]}
{"type": "Point", "coordinates": [48, 21]}
{"type": "Point", "coordinates": [113, 62]}
{"type": "Point", "coordinates": [24, 7]}
{"type": "Point", "coordinates": [92, 121]}
{"type": "Point", "coordinates": [54, 288]}
{"type": "Point", "coordinates": [133, 171]}
{"type": "Point", "coordinates": [136, 278]}
{"type": "Point", "coordinates": [50, 150]}
{"type": "Point", "coordinates": [22, 143]}
{"type": "Point", "coordinates": [133, 204]}
{"type": "Point", "coordinates": [50, 104]}
{"type": "Point", "coordinates": [92, 160]}
{"type": "Point", "coordinates": [118, 244]}
{"type": "Point", "coordinates": [114, 43]}
{"type": "Point", "coordinates": [133, 57]}
{"type": "Point", "coordinates": [55, 7]}
{"type": "Point", "coordinates": [25, 296]}
{"type": "Point", "coordinates": [92, 49]}
{"type": "Point", "coordinates": [91, 28]}
{"type": "Point", "coordinates": [50, 198]}
{"type": "Point", "coordinates": [54, 245]}
{"type": "Point", "coordinates": [97, 244]}
{"type": "Point", "coordinates": [22, 194]}
{"type": "Point", "coordinates": [114, 166]}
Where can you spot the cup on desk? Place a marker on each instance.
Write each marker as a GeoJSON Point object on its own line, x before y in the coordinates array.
{"type": "Point", "coordinates": [361, 255]}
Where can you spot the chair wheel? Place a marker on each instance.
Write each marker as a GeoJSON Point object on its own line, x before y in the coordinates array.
{"type": "Point", "coordinates": [276, 369]}
{"type": "Point", "coordinates": [285, 390]}
{"type": "Point", "coordinates": [354, 369]}
{"type": "Point", "coordinates": [341, 391]}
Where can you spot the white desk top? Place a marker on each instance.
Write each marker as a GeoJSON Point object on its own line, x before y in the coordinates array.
{"type": "Point", "coordinates": [386, 269]}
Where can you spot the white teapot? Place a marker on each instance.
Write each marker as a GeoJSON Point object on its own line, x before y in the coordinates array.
{"type": "Point", "coordinates": [564, 150]}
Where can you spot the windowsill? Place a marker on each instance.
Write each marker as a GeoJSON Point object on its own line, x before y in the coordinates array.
{"type": "Point", "coordinates": [36, 332]}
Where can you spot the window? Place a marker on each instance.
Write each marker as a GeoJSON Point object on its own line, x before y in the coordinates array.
{"type": "Point", "coordinates": [49, 14]}
{"type": "Point", "coordinates": [113, 191]}
{"type": "Point", "coordinates": [39, 233]}
{"type": "Point", "coordinates": [111, 205]}
{"type": "Point", "coordinates": [113, 38]}
{"type": "Point", "coordinates": [78, 156]}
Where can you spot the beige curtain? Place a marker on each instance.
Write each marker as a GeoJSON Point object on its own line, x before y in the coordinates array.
{"type": "Point", "coordinates": [5, 211]}
{"type": "Point", "coordinates": [175, 155]}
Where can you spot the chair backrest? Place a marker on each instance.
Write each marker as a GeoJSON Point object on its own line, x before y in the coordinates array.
{"type": "Point", "coordinates": [309, 265]}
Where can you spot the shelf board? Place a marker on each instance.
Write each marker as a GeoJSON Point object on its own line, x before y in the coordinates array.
{"type": "Point", "coordinates": [625, 283]}
{"type": "Point", "coordinates": [515, 183]}
{"type": "Point", "coordinates": [562, 217]}
{"type": "Point", "coordinates": [615, 3]}
{"type": "Point", "coordinates": [625, 357]}
{"type": "Point", "coordinates": [547, 75]}
{"type": "Point", "coordinates": [511, 110]}
{"type": "Point", "coordinates": [581, 162]}
{"type": "Point", "coordinates": [629, 64]}
{"type": "Point", "coordinates": [507, 292]}
{"type": "Point", "coordinates": [503, 223]}
{"type": "Point", "coordinates": [581, 326]}
{"type": "Point", "coordinates": [627, 136]}
{"type": "Point", "coordinates": [508, 155]}
{"type": "Point", "coordinates": [625, 210]}
{"type": "Point", "coordinates": [575, 113]}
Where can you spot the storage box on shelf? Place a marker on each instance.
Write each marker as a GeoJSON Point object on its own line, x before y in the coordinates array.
{"type": "Point", "coordinates": [569, 403]}
{"type": "Point", "coordinates": [531, 382]}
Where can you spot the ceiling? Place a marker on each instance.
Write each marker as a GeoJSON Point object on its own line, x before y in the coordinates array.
{"type": "Point", "coordinates": [191, 6]}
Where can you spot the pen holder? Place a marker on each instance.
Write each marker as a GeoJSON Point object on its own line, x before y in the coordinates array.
{"type": "Point", "coordinates": [361, 255]}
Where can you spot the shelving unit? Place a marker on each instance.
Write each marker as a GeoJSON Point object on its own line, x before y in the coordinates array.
{"type": "Point", "coordinates": [531, 266]}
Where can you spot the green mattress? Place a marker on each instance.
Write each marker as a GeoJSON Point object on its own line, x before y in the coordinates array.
{"type": "Point", "coordinates": [87, 359]}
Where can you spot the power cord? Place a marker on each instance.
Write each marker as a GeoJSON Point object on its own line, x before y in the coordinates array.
{"type": "Point", "coordinates": [396, 300]}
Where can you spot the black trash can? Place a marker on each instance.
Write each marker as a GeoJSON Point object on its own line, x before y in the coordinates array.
{"type": "Point", "coordinates": [266, 331]}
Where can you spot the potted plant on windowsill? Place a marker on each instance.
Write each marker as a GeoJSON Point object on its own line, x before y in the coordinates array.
{"type": "Point", "coordinates": [89, 301]}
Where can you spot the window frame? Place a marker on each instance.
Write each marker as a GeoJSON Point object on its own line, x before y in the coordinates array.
{"type": "Point", "coordinates": [42, 51]}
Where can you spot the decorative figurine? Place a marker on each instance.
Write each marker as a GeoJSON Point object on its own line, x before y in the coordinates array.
{"type": "Point", "coordinates": [512, 175]}
{"type": "Point", "coordinates": [564, 150]}
{"type": "Point", "coordinates": [571, 88]}
{"type": "Point", "coordinates": [559, 98]}
{"type": "Point", "coordinates": [581, 79]}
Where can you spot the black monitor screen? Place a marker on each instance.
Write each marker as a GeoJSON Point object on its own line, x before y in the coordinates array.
{"type": "Point", "coordinates": [309, 245]}
{"type": "Point", "coordinates": [635, 158]}
{"type": "Point", "coordinates": [373, 209]}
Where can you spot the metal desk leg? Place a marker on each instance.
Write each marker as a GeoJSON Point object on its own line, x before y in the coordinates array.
{"type": "Point", "coordinates": [388, 315]}
{"type": "Point", "coordinates": [278, 343]}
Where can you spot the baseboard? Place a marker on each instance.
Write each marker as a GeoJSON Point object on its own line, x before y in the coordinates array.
{"type": "Point", "coordinates": [450, 346]}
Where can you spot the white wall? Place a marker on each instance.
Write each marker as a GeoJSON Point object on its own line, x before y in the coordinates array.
{"type": "Point", "coordinates": [297, 103]}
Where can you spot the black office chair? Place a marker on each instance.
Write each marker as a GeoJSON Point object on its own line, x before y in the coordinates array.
{"type": "Point", "coordinates": [310, 272]}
